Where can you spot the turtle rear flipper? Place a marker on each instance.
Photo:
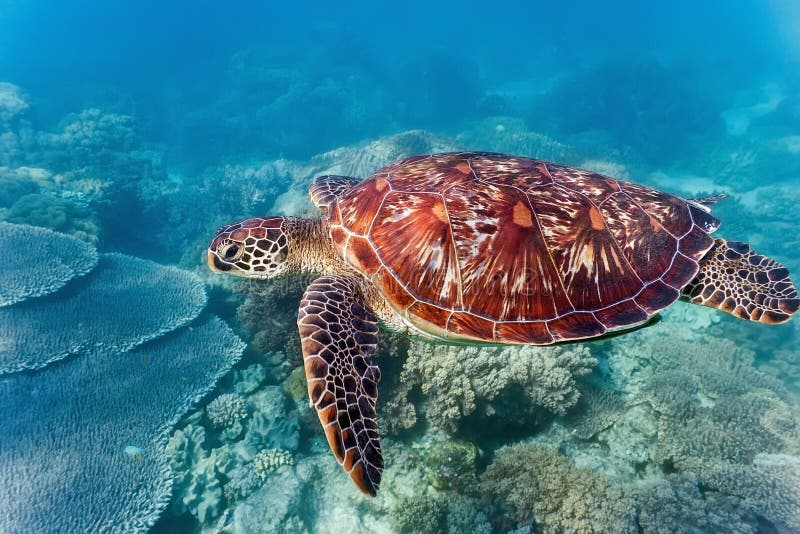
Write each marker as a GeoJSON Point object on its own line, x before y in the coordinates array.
{"type": "Point", "coordinates": [338, 333]}
{"type": "Point", "coordinates": [737, 280]}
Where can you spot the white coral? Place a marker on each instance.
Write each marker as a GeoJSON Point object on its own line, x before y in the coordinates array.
{"type": "Point", "coordinates": [269, 460]}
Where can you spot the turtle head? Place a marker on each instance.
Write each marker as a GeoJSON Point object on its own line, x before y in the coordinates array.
{"type": "Point", "coordinates": [254, 248]}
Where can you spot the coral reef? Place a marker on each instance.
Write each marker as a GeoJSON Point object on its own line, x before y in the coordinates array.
{"type": "Point", "coordinates": [74, 420]}
{"type": "Point", "coordinates": [124, 302]}
{"type": "Point", "coordinates": [678, 505]}
{"type": "Point", "coordinates": [12, 102]}
{"type": "Point", "coordinates": [509, 135]}
{"type": "Point", "coordinates": [227, 410]}
{"type": "Point", "coordinates": [451, 463]}
{"type": "Point", "coordinates": [274, 507]}
{"type": "Point", "coordinates": [597, 409]}
{"type": "Point", "coordinates": [14, 184]}
{"type": "Point", "coordinates": [769, 487]}
{"type": "Point", "coordinates": [242, 483]}
{"type": "Point", "coordinates": [222, 464]}
{"type": "Point", "coordinates": [418, 513]}
{"type": "Point", "coordinates": [507, 382]}
{"type": "Point", "coordinates": [37, 262]}
{"type": "Point", "coordinates": [195, 487]}
{"type": "Point", "coordinates": [362, 161]}
{"type": "Point", "coordinates": [65, 215]}
{"type": "Point", "coordinates": [537, 486]}
{"type": "Point", "coordinates": [268, 460]}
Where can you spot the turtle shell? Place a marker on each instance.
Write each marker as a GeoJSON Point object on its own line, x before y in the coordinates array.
{"type": "Point", "coordinates": [501, 249]}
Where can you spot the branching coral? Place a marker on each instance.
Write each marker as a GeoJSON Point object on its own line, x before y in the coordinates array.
{"type": "Point", "coordinates": [678, 505]}
{"type": "Point", "coordinates": [457, 380]}
{"type": "Point", "coordinates": [227, 410]}
{"type": "Point", "coordinates": [269, 460]}
{"type": "Point", "coordinates": [63, 465]}
{"type": "Point", "coordinates": [721, 418]}
{"type": "Point", "coordinates": [714, 405]}
{"type": "Point", "coordinates": [539, 486]}
{"type": "Point", "coordinates": [123, 303]}
{"type": "Point", "coordinates": [418, 513]}
{"type": "Point", "coordinates": [242, 483]}
{"type": "Point", "coordinates": [597, 409]}
{"type": "Point", "coordinates": [37, 262]}
{"type": "Point", "coordinates": [770, 486]}
{"type": "Point", "coordinates": [97, 154]}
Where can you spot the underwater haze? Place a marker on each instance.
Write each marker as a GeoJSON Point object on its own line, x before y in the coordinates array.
{"type": "Point", "coordinates": [139, 391]}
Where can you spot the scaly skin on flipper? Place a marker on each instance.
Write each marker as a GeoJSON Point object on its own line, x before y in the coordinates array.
{"type": "Point", "coordinates": [737, 280]}
{"type": "Point", "coordinates": [339, 337]}
{"type": "Point", "coordinates": [324, 190]}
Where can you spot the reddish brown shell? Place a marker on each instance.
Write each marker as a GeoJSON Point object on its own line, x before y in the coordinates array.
{"type": "Point", "coordinates": [489, 247]}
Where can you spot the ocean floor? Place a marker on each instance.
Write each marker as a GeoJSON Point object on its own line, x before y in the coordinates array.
{"type": "Point", "coordinates": [179, 403]}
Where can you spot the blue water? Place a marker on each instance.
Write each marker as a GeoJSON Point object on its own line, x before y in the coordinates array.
{"type": "Point", "coordinates": [140, 129]}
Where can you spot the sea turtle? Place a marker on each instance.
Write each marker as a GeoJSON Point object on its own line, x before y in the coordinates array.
{"type": "Point", "coordinates": [476, 247]}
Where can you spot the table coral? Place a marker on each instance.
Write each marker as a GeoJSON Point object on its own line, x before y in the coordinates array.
{"type": "Point", "coordinates": [36, 262]}
{"type": "Point", "coordinates": [123, 303]}
{"type": "Point", "coordinates": [70, 423]}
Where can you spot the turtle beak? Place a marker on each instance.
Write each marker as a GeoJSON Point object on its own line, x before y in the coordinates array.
{"type": "Point", "coordinates": [215, 264]}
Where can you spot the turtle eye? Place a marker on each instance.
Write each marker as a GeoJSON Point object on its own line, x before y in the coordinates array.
{"type": "Point", "coordinates": [229, 250]}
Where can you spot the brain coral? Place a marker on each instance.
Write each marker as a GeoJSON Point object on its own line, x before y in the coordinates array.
{"type": "Point", "coordinates": [63, 465]}
{"type": "Point", "coordinates": [124, 302]}
{"type": "Point", "coordinates": [37, 262]}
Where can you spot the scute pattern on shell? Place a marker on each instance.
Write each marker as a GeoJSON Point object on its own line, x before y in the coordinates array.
{"type": "Point", "coordinates": [489, 247]}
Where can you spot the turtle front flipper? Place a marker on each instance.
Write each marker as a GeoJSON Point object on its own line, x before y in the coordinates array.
{"type": "Point", "coordinates": [324, 190]}
{"type": "Point", "coordinates": [737, 280]}
{"type": "Point", "coordinates": [339, 337]}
